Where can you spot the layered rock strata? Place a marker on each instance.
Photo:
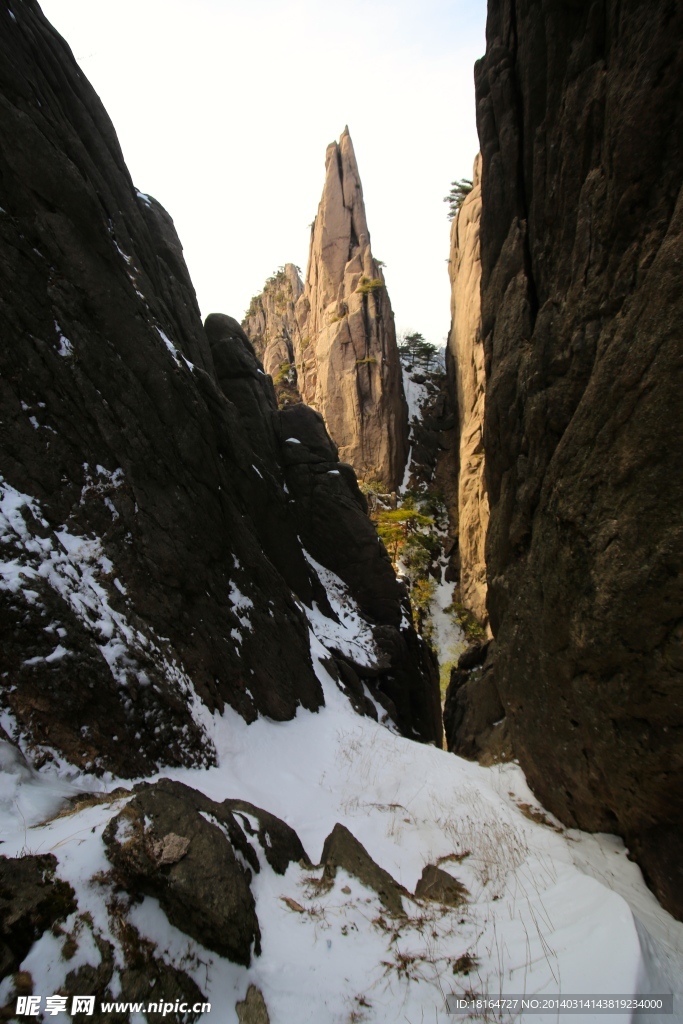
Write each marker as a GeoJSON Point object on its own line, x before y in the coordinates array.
{"type": "Point", "coordinates": [344, 339]}
{"type": "Point", "coordinates": [580, 116]}
{"type": "Point", "coordinates": [465, 368]}
{"type": "Point", "coordinates": [151, 567]}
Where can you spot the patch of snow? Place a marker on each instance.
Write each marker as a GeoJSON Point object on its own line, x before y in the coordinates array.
{"type": "Point", "coordinates": [57, 655]}
{"type": "Point", "coordinates": [168, 343]}
{"type": "Point", "coordinates": [176, 353]}
{"type": "Point", "coordinates": [76, 568]}
{"type": "Point", "coordinates": [351, 635]}
{"type": "Point", "coordinates": [416, 397]}
{"type": "Point", "coordinates": [145, 198]}
{"type": "Point", "coordinates": [101, 484]}
{"type": "Point", "coordinates": [449, 637]}
{"type": "Point", "coordinates": [292, 440]}
{"type": "Point", "coordinates": [243, 604]}
{"type": "Point", "coordinates": [65, 349]}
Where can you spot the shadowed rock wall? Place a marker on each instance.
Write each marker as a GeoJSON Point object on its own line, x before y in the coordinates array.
{"type": "Point", "coordinates": [150, 558]}
{"type": "Point", "coordinates": [580, 116]}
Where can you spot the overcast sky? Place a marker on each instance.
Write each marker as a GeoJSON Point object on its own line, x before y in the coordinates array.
{"type": "Point", "coordinates": [224, 109]}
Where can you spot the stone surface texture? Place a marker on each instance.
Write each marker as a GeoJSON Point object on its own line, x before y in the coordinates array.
{"type": "Point", "coordinates": [580, 117]}
{"type": "Point", "coordinates": [346, 354]}
{"type": "Point", "coordinates": [465, 368]}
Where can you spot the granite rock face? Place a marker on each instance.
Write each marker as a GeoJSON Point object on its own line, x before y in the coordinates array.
{"type": "Point", "coordinates": [150, 557]}
{"type": "Point", "coordinates": [580, 116]}
{"type": "Point", "coordinates": [346, 355]}
{"type": "Point", "coordinates": [465, 367]}
{"type": "Point", "coordinates": [272, 327]}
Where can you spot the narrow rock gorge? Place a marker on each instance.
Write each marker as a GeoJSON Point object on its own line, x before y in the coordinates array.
{"type": "Point", "coordinates": [338, 341]}
{"type": "Point", "coordinates": [223, 788]}
{"type": "Point", "coordinates": [580, 118]}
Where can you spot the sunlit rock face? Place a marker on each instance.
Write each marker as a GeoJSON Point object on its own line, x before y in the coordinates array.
{"type": "Point", "coordinates": [346, 355]}
{"type": "Point", "coordinates": [331, 341]}
{"type": "Point", "coordinates": [272, 328]}
{"type": "Point", "coordinates": [580, 118]}
{"type": "Point", "coordinates": [152, 571]}
{"type": "Point", "coordinates": [465, 364]}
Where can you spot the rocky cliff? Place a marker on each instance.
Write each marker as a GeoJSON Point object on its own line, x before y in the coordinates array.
{"type": "Point", "coordinates": [153, 495]}
{"type": "Point", "coordinates": [271, 326]}
{"type": "Point", "coordinates": [580, 116]}
{"type": "Point", "coordinates": [344, 342]}
{"type": "Point", "coordinates": [465, 367]}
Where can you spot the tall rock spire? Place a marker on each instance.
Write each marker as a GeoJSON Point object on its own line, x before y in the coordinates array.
{"type": "Point", "coordinates": [336, 349]}
{"type": "Point", "coordinates": [345, 351]}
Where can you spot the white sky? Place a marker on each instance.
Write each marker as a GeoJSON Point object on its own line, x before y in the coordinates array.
{"type": "Point", "coordinates": [224, 109]}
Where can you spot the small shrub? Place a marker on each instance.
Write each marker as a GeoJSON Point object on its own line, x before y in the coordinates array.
{"type": "Point", "coordinates": [366, 286]}
{"type": "Point", "coordinates": [457, 195]}
{"type": "Point", "coordinates": [397, 525]}
{"type": "Point", "coordinates": [365, 362]}
{"type": "Point", "coordinates": [283, 373]}
{"type": "Point", "coordinates": [471, 627]}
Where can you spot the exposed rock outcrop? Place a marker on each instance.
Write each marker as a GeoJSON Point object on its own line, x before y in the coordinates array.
{"type": "Point", "coordinates": [252, 1009]}
{"type": "Point", "coordinates": [149, 545]}
{"type": "Point", "coordinates": [580, 115]}
{"type": "Point", "coordinates": [344, 344]}
{"type": "Point", "coordinates": [31, 900]}
{"type": "Point", "coordinates": [271, 326]}
{"type": "Point", "coordinates": [437, 885]}
{"type": "Point", "coordinates": [465, 367]}
{"type": "Point", "coordinates": [343, 850]}
{"type": "Point", "coordinates": [197, 858]}
{"type": "Point", "coordinates": [474, 721]}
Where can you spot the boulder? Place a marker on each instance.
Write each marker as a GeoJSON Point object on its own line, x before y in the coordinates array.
{"type": "Point", "coordinates": [342, 850]}
{"type": "Point", "coordinates": [31, 901]}
{"type": "Point", "coordinates": [252, 1009]}
{"type": "Point", "coordinates": [437, 885]}
{"type": "Point", "coordinates": [191, 853]}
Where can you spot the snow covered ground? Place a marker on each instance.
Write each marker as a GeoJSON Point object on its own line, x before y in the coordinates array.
{"type": "Point", "coordinates": [550, 910]}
